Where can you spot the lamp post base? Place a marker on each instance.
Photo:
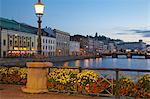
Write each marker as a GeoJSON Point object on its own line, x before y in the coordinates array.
{"type": "Point", "coordinates": [37, 77]}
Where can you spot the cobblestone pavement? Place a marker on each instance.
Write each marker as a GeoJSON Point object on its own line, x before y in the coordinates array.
{"type": "Point", "coordinates": [8, 91]}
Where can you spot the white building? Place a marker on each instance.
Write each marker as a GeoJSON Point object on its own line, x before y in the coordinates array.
{"type": "Point", "coordinates": [20, 40]}
{"type": "Point", "coordinates": [111, 47]}
{"type": "Point", "coordinates": [95, 46]}
{"type": "Point", "coordinates": [62, 41]}
{"type": "Point", "coordinates": [105, 49]}
{"type": "Point", "coordinates": [74, 48]}
{"type": "Point", "coordinates": [15, 43]}
{"type": "Point", "coordinates": [101, 46]}
{"type": "Point", "coordinates": [90, 45]}
{"type": "Point", "coordinates": [141, 46]}
{"type": "Point", "coordinates": [148, 48]}
{"type": "Point", "coordinates": [48, 46]}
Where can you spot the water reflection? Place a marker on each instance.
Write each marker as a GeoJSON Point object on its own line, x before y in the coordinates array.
{"type": "Point", "coordinates": [136, 63]}
{"type": "Point", "coordinates": [148, 62]}
{"type": "Point", "coordinates": [91, 61]}
{"type": "Point", "coordinates": [114, 62]}
{"type": "Point", "coordinates": [77, 63]}
{"type": "Point", "coordinates": [129, 63]}
{"type": "Point", "coordinates": [98, 62]}
{"type": "Point", "coordinates": [65, 64]}
{"type": "Point", "coordinates": [86, 63]}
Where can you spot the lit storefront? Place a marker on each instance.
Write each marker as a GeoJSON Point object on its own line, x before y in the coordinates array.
{"type": "Point", "coordinates": [20, 52]}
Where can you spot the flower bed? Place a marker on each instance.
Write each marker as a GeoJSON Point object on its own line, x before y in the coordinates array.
{"type": "Point", "coordinates": [90, 82]}
{"type": "Point", "coordinates": [85, 82]}
{"type": "Point", "coordinates": [13, 75]}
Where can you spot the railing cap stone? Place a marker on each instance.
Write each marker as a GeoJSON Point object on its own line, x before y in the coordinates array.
{"type": "Point", "coordinates": [39, 64]}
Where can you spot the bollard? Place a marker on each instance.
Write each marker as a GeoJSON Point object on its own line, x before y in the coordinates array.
{"type": "Point", "coordinates": [37, 77]}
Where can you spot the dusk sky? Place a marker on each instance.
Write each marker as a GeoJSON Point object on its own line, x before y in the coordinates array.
{"type": "Point", "coordinates": [128, 20]}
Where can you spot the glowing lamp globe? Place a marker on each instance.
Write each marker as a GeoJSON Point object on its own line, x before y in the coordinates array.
{"type": "Point", "coordinates": [39, 9]}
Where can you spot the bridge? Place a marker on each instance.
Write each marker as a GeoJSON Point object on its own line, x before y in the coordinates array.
{"type": "Point", "coordinates": [128, 55]}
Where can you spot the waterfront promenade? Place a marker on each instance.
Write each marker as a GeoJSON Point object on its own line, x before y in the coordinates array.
{"type": "Point", "coordinates": [21, 62]}
{"type": "Point", "coordinates": [14, 92]}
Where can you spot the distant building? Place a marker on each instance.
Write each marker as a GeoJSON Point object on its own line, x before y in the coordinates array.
{"type": "Point", "coordinates": [132, 46]}
{"type": "Point", "coordinates": [20, 40]}
{"type": "Point", "coordinates": [48, 46]}
{"type": "Point", "coordinates": [148, 48]}
{"type": "Point", "coordinates": [111, 47]}
{"type": "Point", "coordinates": [84, 46]}
{"type": "Point", "coordinates": [62, 43]}
{"type": "Point", "coordinates": [74, 48]}
{"type": "Point", "coordinates": [105, 49]}
{"type": "Point", "coordinates": [91, 46]}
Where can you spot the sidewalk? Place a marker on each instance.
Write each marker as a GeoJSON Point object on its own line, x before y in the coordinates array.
{"type": "Point", "coordinates": [14, 92]}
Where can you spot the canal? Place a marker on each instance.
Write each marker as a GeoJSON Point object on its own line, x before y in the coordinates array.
{"type": "Point", "coordinates": [137, 62]}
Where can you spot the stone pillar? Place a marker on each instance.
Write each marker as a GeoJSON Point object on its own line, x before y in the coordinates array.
{"type": "Point", "coordinates": [37, 77]}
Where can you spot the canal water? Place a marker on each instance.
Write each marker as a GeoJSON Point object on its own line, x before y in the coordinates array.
{"type": "Point", "coordinates": [137, 62]}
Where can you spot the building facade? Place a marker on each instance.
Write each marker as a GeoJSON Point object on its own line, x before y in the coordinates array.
{"type": "Point", "coordinates": [20, 40]}
{"type": "Point", "coordinates": [84, 46]}
{"type": "Point", "coordinates": [62, 43]}
{"type": "Point", "coordinates": [48, 46]}
{"type": "Point", "coordinates": [140, 46]}
{"type": "Point", "coordinates": [148, 48]}
{"type": "Point", "coordinates": [74, 48]}
{"type": "Point", "coordinates": [111, 47]}
{"type": "Point", "coordinates": [15, 43]}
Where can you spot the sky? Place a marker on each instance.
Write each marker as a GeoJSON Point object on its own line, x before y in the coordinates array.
{"type": "Point", "coordinates": [128, 20]}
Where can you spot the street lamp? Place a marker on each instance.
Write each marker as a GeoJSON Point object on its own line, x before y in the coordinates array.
{"type": "Point", "coordinates": [39, 8]}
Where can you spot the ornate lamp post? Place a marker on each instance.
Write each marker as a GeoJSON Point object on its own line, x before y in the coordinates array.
{"type": "Point", "coordinates": [39, 8]}
{"type": "Point", "coordinates": [37, 71]}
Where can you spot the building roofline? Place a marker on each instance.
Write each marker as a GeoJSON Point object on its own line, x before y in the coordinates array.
{"type": "Point", "coordinates": [59, 31]}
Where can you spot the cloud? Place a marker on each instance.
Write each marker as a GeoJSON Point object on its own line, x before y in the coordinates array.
{"type": "Point", "coordinates": [142, 32]}
{"type": "Point", "coordinates": [122, 33]}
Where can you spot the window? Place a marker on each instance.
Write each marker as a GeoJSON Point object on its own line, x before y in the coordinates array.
{"type": "Point", "coordinates": [43, 47]}
{"type": "Point", "coordinates": [10, 42]}
{"type": "Point", "coordinates": [28, 43]}
{"type": "Point", "coordinates": [4, 53]}
{"type": "Point", "coordinates": [20, 42]}
{"type": "Point", "coordinates": [46, 40]}
{"type": "Point", "coordinates": [43, 40]}
{"type": "Point", "coordinates": [46, 47]}
{"type": "Point", "coordinates": [49, 41]}
{"type": "Point", "coordinates": [15, 42]}
{"type": "Point", "coordinates": [32, 44]}
{"type": "Point", "coordinates": [4, 42]}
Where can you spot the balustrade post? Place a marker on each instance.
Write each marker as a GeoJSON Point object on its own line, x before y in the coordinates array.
{"type": "Point", "coordinates": [80, 69]}
{"type": "Point", "coordinates": [78, 86]}
{"type": "Point", "coordinates": [117, 84]}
